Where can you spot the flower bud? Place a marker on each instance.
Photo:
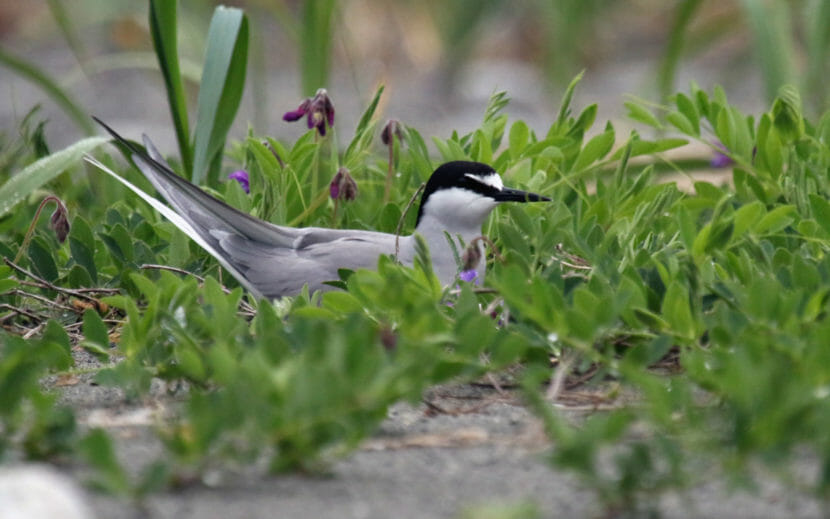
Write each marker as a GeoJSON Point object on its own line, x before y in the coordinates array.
{"type": "Point", "coordinates": [390, 130]}
{"type": "Point", "coordinates": [59, 222]}
{"type": "Point", "coordinates": [343, 186]}
{"type": "Point", "coordinates": [241, 176]}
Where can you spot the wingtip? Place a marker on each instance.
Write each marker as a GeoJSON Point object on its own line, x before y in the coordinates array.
{"type": "Point", "coordinates": [115, 135]}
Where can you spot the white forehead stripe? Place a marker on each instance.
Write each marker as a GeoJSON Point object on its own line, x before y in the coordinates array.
{"type": "Point", "coordinates": [493, 180]}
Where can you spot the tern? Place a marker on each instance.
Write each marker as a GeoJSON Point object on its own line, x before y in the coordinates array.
{"type": "Point", "coordinates": [272, 261]}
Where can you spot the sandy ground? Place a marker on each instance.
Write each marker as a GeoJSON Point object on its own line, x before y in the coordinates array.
{"type": "Point", "coordinates": [464, 446]}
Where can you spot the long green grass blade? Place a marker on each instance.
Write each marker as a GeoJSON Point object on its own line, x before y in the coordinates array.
{"type": "Point", "coordinates": [770, 24]}
{"type": "Point", "coordinates": [50, 86]}
{"type": "Point", "coordinates": [190, 70]}
{"type": "Point", "coordinates": [817, 17]}
{"type": "Point", "coordinates": [315, 44]}
{"type": "Point", "coordinates": [223, 80]}
{"type": "Point", "coordinates": [683, 15]}
{"type": "Point", "coordinates": [64, 21]}
{"type": "Point", "coordinates": [163, 30]}
{"type": "Point", "coordinates": [38, 173]}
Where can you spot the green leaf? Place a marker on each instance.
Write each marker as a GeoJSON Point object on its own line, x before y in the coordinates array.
{"type": "Point", "coordinates": [726, 129]}
{"type": "Point", "coordinates": [821, 211]}
{"type": "Point", "coordinates": [189, 361]}
{"type": "Point", "coordinates": [35, 175]}
{"type": "Point", "coordinates": [642, 114]}
{"type": "Point", "coordinates": [595, 149]}
{"type": "Point", "coordinates": [565, 106]}
{"type": "Point", "coordinates": [78, 277]}
{"type": "Point", "coordinates": [681, 122]}
{"type": "Point", "coordinates": [688, 109]}
{"type": "Point", "coordinates": [97, 450]}
{"type": "Point", "coordinates": [786, 114]}
{"type": "Point", "coordinates": [220, 90]}
{"type": "Point", "coordinates": [777, 219]}
{"type": "Point", "coordinates": [677, 311]}
{"type": "Point", "coordinates": [518, 138]}
{"type": "Point", "coordinates": [163, 30]}
{"type": "Point", "coordinates": [42, 259]}
{"type": "Point", "coordinates": [96, 339]}
{"type": "Point", "coordinates": [82, 246]}
{"type": "Point", "coordinates": [366, 118]}
{"type": "Point", "coordinates": [747, 216]}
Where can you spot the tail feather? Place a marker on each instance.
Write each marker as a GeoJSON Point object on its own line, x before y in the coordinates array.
{"type": "Point", "coordinates": [201, 210]}
{"type": "Point", "coordinates": [207, 220]}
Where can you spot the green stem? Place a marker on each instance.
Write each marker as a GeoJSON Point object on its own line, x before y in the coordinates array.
{"type": "Point", "coordinates": [389, 172]}
{"type": "Point", "coordinates": [31, 230]}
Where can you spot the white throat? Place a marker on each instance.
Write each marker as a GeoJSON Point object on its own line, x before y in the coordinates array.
{"type": "Point", "coordinates": [459, 213]}
{"type": "Point", "coordinates": [456, 210]}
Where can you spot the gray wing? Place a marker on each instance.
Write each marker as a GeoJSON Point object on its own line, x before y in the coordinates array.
{"type": "Point", "coordinates": [280, 271]}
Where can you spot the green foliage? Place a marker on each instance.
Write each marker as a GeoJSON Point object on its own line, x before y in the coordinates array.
{"type": "Point", "coordinates": [30, 420]}
{"type": "Point", "coordinates": [730, 281]}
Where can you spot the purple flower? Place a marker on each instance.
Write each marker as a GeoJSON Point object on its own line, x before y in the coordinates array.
{"type": "Point", "coordinates": [241, 176]}
{"type": "Point", "coordinates": [720, 159]}
{"type": "Point", "coordinates": [468, 276]}
{"type": "Point", "coordinates": [343, 186]}
{"type": "Point", "coordinates": [319, 112]}
{"type": "Point", "coordinates": [295, 115]}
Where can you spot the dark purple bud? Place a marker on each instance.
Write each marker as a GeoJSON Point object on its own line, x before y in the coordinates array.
{"type": "Point", "coordinates": [329, 110]}
{"type": "Point", "coordinates": [241, 176]}
{"type": "Point", "coordinates": [390, 130]}
{"type": "Point", "coordinates": [343, 186]}
{"type": "Point", "coordinates": [334, 187]}
{"type": "Point", "coordinates": [471, 257]}
{"type": "Point", "coordinates": [388, 337]}
{"type": "Point", "coordinates": [59, 221]}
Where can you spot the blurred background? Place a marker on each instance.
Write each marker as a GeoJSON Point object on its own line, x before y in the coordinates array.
{"type": "Point", "coordinates": [440, 60]}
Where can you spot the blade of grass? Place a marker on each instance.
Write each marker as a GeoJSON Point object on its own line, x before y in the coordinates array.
{"type": "Point", "coordinates": [61, 16]}
{"type": "Point", "coordinates": [683, 15]}
{"type": "Point", "coordinates": [817, 16]}
{"type": "Point", "coordinates": [315, 44]}
{"type": "Point", "coordinates": [38, 173]}
{"type": "Point", "coordinates": [771, 28]}
{"type": "Point", "coordinates": [62, 98]}
{"type": "Point", "coordinates": [190, 70]}
{"type": "Point", "coordinates": [163, 30]}
{"type": "Point", "coordinates": [220, 91]}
